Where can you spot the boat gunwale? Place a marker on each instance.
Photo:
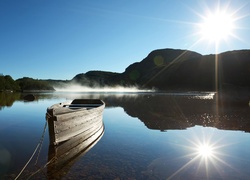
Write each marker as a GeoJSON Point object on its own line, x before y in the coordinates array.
{"type": "Point", "coordinates": [67, 107]}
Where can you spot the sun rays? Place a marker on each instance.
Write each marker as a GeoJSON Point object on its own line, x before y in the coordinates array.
{"type": "Point", "coordinates": [217, 26]}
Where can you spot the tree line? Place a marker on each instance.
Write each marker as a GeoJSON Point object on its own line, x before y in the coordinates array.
{"type": "Point", "coordinates": [7, 83]}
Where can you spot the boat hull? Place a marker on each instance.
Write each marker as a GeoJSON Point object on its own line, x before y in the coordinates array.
{"type": "Point", "coordinates": [81, 116]}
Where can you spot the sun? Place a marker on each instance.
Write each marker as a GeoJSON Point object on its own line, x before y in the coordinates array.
{"type": "Point", "coordinates": [217, 26]}
{"type": "Point", "coordinates": [205, 150]}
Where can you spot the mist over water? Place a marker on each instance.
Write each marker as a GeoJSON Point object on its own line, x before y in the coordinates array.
{"type": "Point", "coordinates": [80, 88]}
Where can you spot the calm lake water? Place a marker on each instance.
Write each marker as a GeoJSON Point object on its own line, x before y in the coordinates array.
{"type": "Point", "coordinates": [147, 136]}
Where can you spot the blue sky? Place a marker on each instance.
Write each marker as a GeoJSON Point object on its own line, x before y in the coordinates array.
{"type": "Point", "coordinates": [58, 39]}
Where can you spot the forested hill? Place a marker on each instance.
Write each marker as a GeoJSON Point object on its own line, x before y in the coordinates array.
{"type": "Point", "coordinates": [7, 83]}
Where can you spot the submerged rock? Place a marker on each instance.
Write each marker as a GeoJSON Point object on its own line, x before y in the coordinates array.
{"type": "Point", "coordinates": [29, 97]}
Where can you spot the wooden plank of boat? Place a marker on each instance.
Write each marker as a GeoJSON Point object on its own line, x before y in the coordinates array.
{"type": "Point", "coordinates": [82, 138]}
{"type": "Point", "coordinates": [88, 129]}
{"type": "Point", "coordinates": [69, 119]}
{"type": "Point", "coordinates": [61, 157]}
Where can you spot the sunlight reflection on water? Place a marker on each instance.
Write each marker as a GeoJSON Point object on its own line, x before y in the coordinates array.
{"type": "Point", "coordinates": [206, 96]}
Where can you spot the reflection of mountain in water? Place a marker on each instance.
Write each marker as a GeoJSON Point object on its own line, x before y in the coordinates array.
{"type": "Point", "coordinates": [165, 112]}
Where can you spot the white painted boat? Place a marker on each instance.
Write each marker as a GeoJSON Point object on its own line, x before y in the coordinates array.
{"type": "Point", "coordinates": [69, 119]}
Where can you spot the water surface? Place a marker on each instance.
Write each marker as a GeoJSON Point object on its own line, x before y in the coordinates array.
{"type": "Point", "coordinates": [147, 136]}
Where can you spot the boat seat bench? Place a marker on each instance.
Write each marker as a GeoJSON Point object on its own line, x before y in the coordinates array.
{"type": "Point", "coordinates": [82, 105]}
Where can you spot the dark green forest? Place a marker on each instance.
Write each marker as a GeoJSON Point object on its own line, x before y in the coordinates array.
{"type": "Point", "coordinates": [7, 83]}
{"type": "Point", "coordinates": [28, 84]}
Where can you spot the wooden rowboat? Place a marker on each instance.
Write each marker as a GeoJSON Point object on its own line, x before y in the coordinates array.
{"type": "Point", "coordinates": [68, 119]}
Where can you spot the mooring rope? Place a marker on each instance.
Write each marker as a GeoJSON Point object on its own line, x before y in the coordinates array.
{"type": "Point", "coordinates": [41, 142]}
{"type": "Point", "coordinates": [38, 145]}
{"type": "Point", "coordinates": [42, 168]}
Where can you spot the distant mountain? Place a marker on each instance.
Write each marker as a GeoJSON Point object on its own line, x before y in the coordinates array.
{"type": "Point", "coordinates": [95, 78]}
{"type": "Point", "coordinates": [180, 69]}
{"type": "Point", "coordinates": [163, 69]}
{"type": "Point", "coordinates": [171, 69]}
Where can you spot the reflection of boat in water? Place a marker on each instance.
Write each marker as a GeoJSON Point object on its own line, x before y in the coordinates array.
{"type": "Point", "coordinates": [62, 156]}
{"type": "Point", "coordinates": [81, 116]}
